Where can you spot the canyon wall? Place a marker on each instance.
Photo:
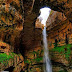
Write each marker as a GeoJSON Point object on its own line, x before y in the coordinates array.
{"type": "Point", "coordinates": [19, 37]}
{"type": "Point", "coordinates": [59, 28]}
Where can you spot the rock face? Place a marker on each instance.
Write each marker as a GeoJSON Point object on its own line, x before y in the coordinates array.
{"type": "Point", "coordinates": [59, 29]}
{"type": "Point", "coordinates": [63, 6]}
{"type": "Point", "coordinates": [12, 61]}
{"type": "Point", "coordinates": [18, 32]}
{"type": "Point", "coordinates": [14, 9]}
{"type": "Point", "coordinates": [30, 37]}
{"type": "Point", "coordinates": [38, 24]}
{"type": "Point", "coordinates": [55, 18]}
{"type": "Point", "coordinates": [11, 24]}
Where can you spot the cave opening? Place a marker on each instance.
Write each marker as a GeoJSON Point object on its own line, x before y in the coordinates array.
{"type": "Point", "coordinates": [44, 13]}
{"type": "Point", "coordinates": [42, 18]}
{"type": "Point", "coordinates": [20, 37]}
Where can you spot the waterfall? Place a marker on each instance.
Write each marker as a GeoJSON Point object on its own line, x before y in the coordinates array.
{"type": "Point", "coordinates": [47, 63]}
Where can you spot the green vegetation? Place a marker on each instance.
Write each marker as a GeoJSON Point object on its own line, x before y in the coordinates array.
{"type": "Point", "coordinates": [38, 57]}
{"type": "Point", "coordinates": [26, 61]}
{"type": "Point", "coordinates": [51, 12]}
{"type": "Point", "coordinates": [4, 58]}
{"type": "Point", "coordinates": [29, 61]}
{"type": "Point", "coordinates": [64, 50]}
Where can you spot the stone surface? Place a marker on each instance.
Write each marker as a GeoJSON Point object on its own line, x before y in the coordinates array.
{"type": "Point", "coordinates": [17, 27]}
{"type": "Point", "coordinates": [58, 27]}
{"type": "Point", "coordinates": [17, 61]}
{"type": "Point", "coordinates": [38, 24]}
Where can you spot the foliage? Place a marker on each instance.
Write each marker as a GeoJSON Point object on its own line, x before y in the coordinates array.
{"type": "Point", "coordinates": [27, 61]}
{"type": "Point", "coordinates": [38, 57]}
{"type": "Point", "coordinates": [4, 58]}
{"type": "Point", "coordinates": [61, 49]}
{"type": "Point", "coordinates": [51, 12]}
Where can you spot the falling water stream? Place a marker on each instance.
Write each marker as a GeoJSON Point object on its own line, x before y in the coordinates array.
{"type": "Point", "coordinates": [47, 63]}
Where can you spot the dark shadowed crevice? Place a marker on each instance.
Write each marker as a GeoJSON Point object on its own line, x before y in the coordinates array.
{"type": "Point", "coordinates": [10, 69]}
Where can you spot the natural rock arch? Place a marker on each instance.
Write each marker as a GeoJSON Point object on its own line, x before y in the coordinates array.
{"type": "Point", "coordinates": [32, 12]}
{"type": "Point", "coordinates": [64, 6]}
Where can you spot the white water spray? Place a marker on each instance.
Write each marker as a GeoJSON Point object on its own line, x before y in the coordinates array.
{"type": "Point", "coordinates": [47, 63]}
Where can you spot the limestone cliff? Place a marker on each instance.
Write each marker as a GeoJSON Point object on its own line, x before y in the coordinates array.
{"type": "Point", "coordinates": [21, 42]}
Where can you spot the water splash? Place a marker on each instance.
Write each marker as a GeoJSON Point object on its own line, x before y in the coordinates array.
{"type": "Point", "coordinates": [47, 63]}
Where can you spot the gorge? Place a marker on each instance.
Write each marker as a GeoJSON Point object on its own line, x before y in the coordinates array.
{"type": "Point", "coordinates": [21, 39]}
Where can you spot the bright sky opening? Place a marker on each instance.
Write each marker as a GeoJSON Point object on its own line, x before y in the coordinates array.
{"type": "Point", "coordinates": [44, 15]}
